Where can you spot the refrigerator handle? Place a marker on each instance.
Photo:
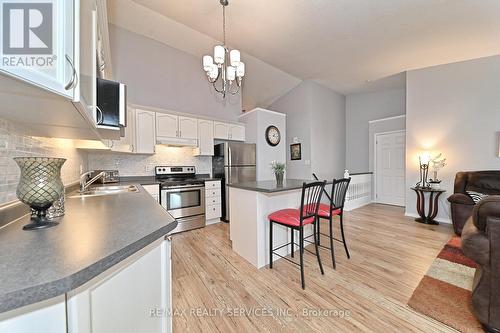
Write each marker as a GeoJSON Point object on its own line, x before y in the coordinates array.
{"type": "Point", "coordinates": [229, 156]}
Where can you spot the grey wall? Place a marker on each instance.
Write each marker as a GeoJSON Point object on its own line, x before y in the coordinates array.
{"type": "Point", "coordinates": [161, 76]}
{"type": "Point", "coordinates": [453, 109]}
{"type": "Point", "coordinates": [360, 109]}
{"type": "Point", "coordinates": [295, 104]}
{"type": "Point", "coordinates": [316, 116]}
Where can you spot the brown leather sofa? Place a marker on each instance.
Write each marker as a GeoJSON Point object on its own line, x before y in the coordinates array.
{"type": "Point", "coordinates": [487, 182]}
{"type": "Point", "coordinates": [481, 242]}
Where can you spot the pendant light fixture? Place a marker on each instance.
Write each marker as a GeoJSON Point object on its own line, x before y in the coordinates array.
{"type": "Point", "coordinates": [224, 70]}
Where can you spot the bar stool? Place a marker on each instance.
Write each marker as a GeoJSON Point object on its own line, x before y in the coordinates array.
{"type": "Point", "coordinates": [296, 219]}
{"type": "Point", "coordinates": [335, 208]}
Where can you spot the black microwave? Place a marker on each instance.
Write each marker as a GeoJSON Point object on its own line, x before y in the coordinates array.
{"type": "Point", "coordinates": [111, 108]}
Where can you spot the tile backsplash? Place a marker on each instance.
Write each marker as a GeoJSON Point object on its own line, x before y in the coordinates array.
{"type": "Point", "coordinates": [15, 140]}
{"type": "Point", "coordinates": [143, 165]}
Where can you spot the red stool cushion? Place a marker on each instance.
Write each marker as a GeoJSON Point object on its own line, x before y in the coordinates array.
{"type": "Point", "coordinates": [324, 211]}
{"type": "Point", "coordinates": [289, 216]}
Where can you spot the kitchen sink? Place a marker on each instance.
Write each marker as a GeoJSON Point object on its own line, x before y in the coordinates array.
{"type": "Point", "coordinates": [106, 190]}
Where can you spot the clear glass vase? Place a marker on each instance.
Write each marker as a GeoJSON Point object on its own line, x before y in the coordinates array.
{"type": "Point", "coordinates": [40, 185]}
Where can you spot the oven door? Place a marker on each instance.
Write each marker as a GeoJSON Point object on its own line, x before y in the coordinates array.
{"type": "Point", "coordinates": [184, 201]}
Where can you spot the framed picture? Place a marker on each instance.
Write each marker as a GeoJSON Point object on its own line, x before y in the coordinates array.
{"type": "Point", "coordinates": [295, 152]}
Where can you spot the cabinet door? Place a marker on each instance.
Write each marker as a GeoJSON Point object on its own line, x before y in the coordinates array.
{"type": "Point", "coordinates": [221, 130]}
{"type": "Point", "coordinates": [237, 132]}
{"type": "Point", "coordinates": [135, 298]}
{"type": "Point", "coordinates": [188, 128]}
{"type": "Point", "coordinates": [85, 94]}
{"type": "Point", "coordinates": [205, 137]}
{"type": "Point", "coordinates": [47, 61]}
{"type": "Point", "coordinates": [167, 125]}
{"type": "Point", "coordinates": [145, 137]}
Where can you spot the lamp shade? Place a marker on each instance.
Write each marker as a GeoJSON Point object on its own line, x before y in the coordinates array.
{"type": "Point", "coordinates": [231, 73]}
{"type": "Point", "coordinates": [240, 70]}
{"type": "Point", "coordinates": [219, 53]}
{"type": "Point", "coordinates": [207, 63]}
{"type": "Point", "coordinates": [234, 55]}
{"type": "Point", "coordinates": [425, 157]}
{"type": "Point", "coordinates": [213, 73]}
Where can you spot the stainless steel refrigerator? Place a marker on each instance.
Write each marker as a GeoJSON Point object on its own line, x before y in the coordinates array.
{"type": "Point", "coordinates": [233, 162]}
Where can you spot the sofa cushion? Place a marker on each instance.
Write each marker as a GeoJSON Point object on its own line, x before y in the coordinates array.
{"type": "Point", "coordinates": [486, 182]}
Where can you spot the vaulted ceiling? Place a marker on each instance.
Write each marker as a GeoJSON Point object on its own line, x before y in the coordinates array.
{"type": "Point", "coordinates": [346, 45]}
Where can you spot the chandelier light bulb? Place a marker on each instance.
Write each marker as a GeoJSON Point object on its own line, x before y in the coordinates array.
{"type": "Point", "coordinates": [213, 73]}
{"type": "Point", "coordinates": [240, 70]}
{"type": "Point", "coordinates": [219, 54]}
{"type": "Point", "coordinates": [207, 63]}
{"type": "Point", "coordinates": [234, 55]}
{"type": "Point", "coordinates": [231, 73]}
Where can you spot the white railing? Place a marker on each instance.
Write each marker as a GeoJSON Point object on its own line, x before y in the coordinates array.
{"type": "Point", "coordinates": [359, 192]}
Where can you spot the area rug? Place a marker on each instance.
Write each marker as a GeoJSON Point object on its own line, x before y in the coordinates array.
{"type": "Point", "coordinates": [444, 293]}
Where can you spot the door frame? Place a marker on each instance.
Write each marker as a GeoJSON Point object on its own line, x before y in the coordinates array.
{"type": "Point", "coordinates": [375, 136]}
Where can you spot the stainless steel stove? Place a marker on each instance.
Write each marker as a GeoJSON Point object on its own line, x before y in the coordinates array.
{"type": "Point", "coordinates": [182, 195]}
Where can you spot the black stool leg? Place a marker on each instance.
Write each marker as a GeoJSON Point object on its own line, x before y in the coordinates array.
{"type": "Point", "coordinates": [293, 247]}
{"type": "Point", "coordinates": [343, 237]}
{"type": "Point", "coordinates": [270, 244]}
{"type": "Point", "coordinates": [319, 231]}
{"type": "Point", "coordinates": [331, 242]}
{"type": "Point", "coordinates": [316, 246]}
{"type": "Point", "coordinates": [301, 245]}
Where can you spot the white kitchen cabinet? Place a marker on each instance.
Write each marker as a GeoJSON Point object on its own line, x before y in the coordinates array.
{"type": "Point", "coordinates": [236, 132]}
{"type": "Point", "coordinates": [134, 296]}
{"type": "Point", "coordinates": [167, 125]}
{"type": "Point", "coordinates": [46, 316]}
{"type": "Point", "coordinates": [145, 136]}
{"type": "Point", "coordinates": [60, 73]}
{"type": "Point", "coordinates": [205, 138]}
{"type": "Point", "coordinates": [188, 128]}
{"type": "Point", "coordinates": [213, 202]}
{"type": "Point", "coordinates": [221, 130]}
{"type": "Point", "coordinates": [228, 131]}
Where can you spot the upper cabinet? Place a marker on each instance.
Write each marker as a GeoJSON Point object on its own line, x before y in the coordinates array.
{"type": "Point", "coordinates": [228, 131]}
{"type": "Point", "coordinates": [145, 136]}
{"type": "Point", "coordinates": [48, 56]}
{"type": "Point", "coordinates": [205, 138]}
{"type": "Point", "coordinates": [176, 130]}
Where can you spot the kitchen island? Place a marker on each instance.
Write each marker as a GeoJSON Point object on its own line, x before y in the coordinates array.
{"type": "Point", "coordinates": [71, 275]}
{"type": "Point", "coordinates": [249, 205]}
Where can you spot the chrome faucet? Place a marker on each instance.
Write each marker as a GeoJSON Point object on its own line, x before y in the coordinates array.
{"type": "Point", "coordinates": [85, 183]}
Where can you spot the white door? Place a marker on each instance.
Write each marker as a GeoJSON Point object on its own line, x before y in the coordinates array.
{"type": "Point", "coordinates": [390, 168]}
{"type": "Point", "coordinates": [145, 132]}
{"type": "Point", "coordinates": [167, 125]}
{"type": "Point", "coordinates": [188, 128]}
{"type": "Point", "coordinates": [237, 132]}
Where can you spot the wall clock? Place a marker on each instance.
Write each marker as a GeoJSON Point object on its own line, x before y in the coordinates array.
{"type": "Point", "coordinates": [273, 136]}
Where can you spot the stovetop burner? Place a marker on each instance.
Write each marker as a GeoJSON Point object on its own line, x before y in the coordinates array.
{"type": "Point", "coordinates": [177, 176]}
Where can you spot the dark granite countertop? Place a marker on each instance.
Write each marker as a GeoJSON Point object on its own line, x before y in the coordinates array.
{"type": "Point", "coordinates": [270, 186]}
{"type": "Point", "coordinates": [94, 234]}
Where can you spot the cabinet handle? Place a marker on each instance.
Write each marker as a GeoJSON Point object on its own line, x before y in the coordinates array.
{"type": "Point", "coordinates": [100, 116]}
{"type": "Point", "coordinates": [74, 77]}
{"type": "Point", "coordinates": [177, 134]}
{"type": "Point", "coordinates": [180, 134]}
{"type": "Point", "coordinates": [132, 148]}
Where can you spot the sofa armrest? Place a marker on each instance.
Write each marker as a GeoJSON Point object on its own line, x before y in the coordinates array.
{"type": "Point", "coordinates": [461, 198]}
{"type": "Point", "coordinates": [475, 243]}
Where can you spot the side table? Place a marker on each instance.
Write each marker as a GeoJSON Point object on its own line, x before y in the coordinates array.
{"type": "Point", "coordinates": [433, 204]}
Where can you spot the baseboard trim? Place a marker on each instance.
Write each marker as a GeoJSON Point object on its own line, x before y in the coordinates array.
{"type": "Point", "coordinates": [440, 219]}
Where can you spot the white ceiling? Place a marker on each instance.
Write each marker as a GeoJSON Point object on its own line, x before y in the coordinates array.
{"type": "Point", "coordinates": [347, 45]}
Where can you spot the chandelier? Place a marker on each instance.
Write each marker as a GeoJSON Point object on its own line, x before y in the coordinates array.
{"type": "Point", "coordinates": [224, 71]}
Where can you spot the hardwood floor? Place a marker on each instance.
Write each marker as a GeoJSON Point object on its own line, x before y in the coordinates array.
{"type": "Point", "coordinates": [390, 253]}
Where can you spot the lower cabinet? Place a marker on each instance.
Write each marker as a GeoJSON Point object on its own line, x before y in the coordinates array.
{"type": "Point", "coordinates": [153, 190]}
{"type": "Point", "coordinates": [213, 208]}
{"type": "Point", "coordinates": [45, 317]}
{"type": "Point", "coordinates": [134, 297]}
